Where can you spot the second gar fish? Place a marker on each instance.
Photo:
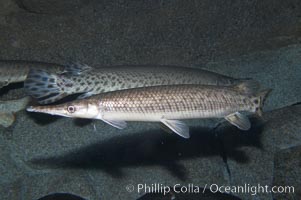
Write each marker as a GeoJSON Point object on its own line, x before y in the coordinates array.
{"type": "Point", "coordinates": [167, 104]}
{"type": "Point", "coordinates": [49, 87]}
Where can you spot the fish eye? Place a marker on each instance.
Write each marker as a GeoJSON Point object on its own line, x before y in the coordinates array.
{"type": "Point", "coordinates": [71, 109]}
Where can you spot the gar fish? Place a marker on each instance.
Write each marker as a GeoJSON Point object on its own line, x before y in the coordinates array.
{"type": "Point", "coordinates": [48, 87]}
{"type": "Point", "coordinates": [9, 107]}
{"type": "Point", "coordinates": [14, 71]}
{"type": "Point", "coordinates": [167, 104]}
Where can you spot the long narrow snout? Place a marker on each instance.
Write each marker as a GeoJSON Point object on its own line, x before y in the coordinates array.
{"type": "Point", "coordinates": [75, 109]}
{"type": "Point", "coordinates": [52, 110]}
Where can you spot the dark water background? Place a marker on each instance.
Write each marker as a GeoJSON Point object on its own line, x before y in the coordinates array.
{"type": "Point", "coordinates": [40, 155]}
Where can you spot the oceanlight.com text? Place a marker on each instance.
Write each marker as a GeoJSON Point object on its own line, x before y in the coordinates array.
{"type": "Point", "coordinates": [214, 188]}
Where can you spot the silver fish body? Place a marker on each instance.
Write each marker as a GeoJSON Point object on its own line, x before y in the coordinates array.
{"type": "Point", "coordinates": [14, 71]}
{"type": "Point", "coordinates": [166, 104]}
{"type": "Point", "coordinates": [173, 102]}
{"type": "Point", "coordinates": [106, 79]}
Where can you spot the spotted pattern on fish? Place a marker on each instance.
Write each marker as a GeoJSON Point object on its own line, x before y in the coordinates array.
{"type": "Point", "coordinates": [106, 79]}
{"type": "Point", "coordinates": [118, 78]}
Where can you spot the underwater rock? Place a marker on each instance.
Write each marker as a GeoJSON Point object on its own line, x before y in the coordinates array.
{"type": "Point", "coordinates": [8, 109]}
{"type": "Point", "coordinates": [280, 129]}
{"type": "Point", "coordinates": [74, 182]}
{"type": "Point", "coordinates": [7, 7]}
{"type": "Point", "coordinates": [54, 7]}
{"type": "Point", "coordinates": [12, 190]}
{"type": "Point", "coordinates": [287, 173]}
{"type": "Point", "coordinates": [9, 168]}
{"type": "Point", "coordinates": [61, 196]}
{"type": "Point", "coordinates": [144, 32]}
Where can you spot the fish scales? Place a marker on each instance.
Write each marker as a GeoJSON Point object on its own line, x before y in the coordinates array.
{"type": "Point", "coordinates": [183, 99]}
{"type": "Point", "coordinates": [117, 78]}
{"type": "Point", "coordinates": [107, 79]}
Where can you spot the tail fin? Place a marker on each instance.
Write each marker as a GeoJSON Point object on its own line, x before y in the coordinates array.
{"type": "Point", "coordinates": [259, 100]}
{"type": "Point", "coordinates": [45, 87]}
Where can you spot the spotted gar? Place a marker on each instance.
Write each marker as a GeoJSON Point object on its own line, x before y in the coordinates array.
{"type": "Point", "coordinates": [14, 71]}
{"type": "Point", "coordinates": [49, 87]}
{"type": "Point", "coordinates": [167, 104]}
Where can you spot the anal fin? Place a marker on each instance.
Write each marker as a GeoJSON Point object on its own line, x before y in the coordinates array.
{"type": "Point", "coordinates": [239, 120]}
{"type": "Point", "coordinates": [177, 126]}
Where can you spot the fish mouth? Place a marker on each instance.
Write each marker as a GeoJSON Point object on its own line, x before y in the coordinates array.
{"type": "Point", "coordinates": [36, 109]}
{"type": "Point", "coordinates": [46, 110]}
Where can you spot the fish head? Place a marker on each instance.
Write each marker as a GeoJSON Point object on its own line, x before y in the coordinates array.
{"type": "Point", "coordinates": [76, 109]}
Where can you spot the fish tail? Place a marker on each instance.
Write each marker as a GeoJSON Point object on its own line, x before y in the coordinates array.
{"type": "Point", "coordinates": [259, 99]}
{"type": "Point", "coordinates": [46, 87]}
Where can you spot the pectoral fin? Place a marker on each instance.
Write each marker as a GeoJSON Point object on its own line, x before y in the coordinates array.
{"type": "Point", "coordinates": [7, 119]}
{"type": "Point", "coordinates": [115, 123]}
{"type": "Point", "coordinates": [165, 128]}
{"type": "Point", "coordinates": [177, 126]}
{"type": "Point", "coordinates": [239, 120]}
